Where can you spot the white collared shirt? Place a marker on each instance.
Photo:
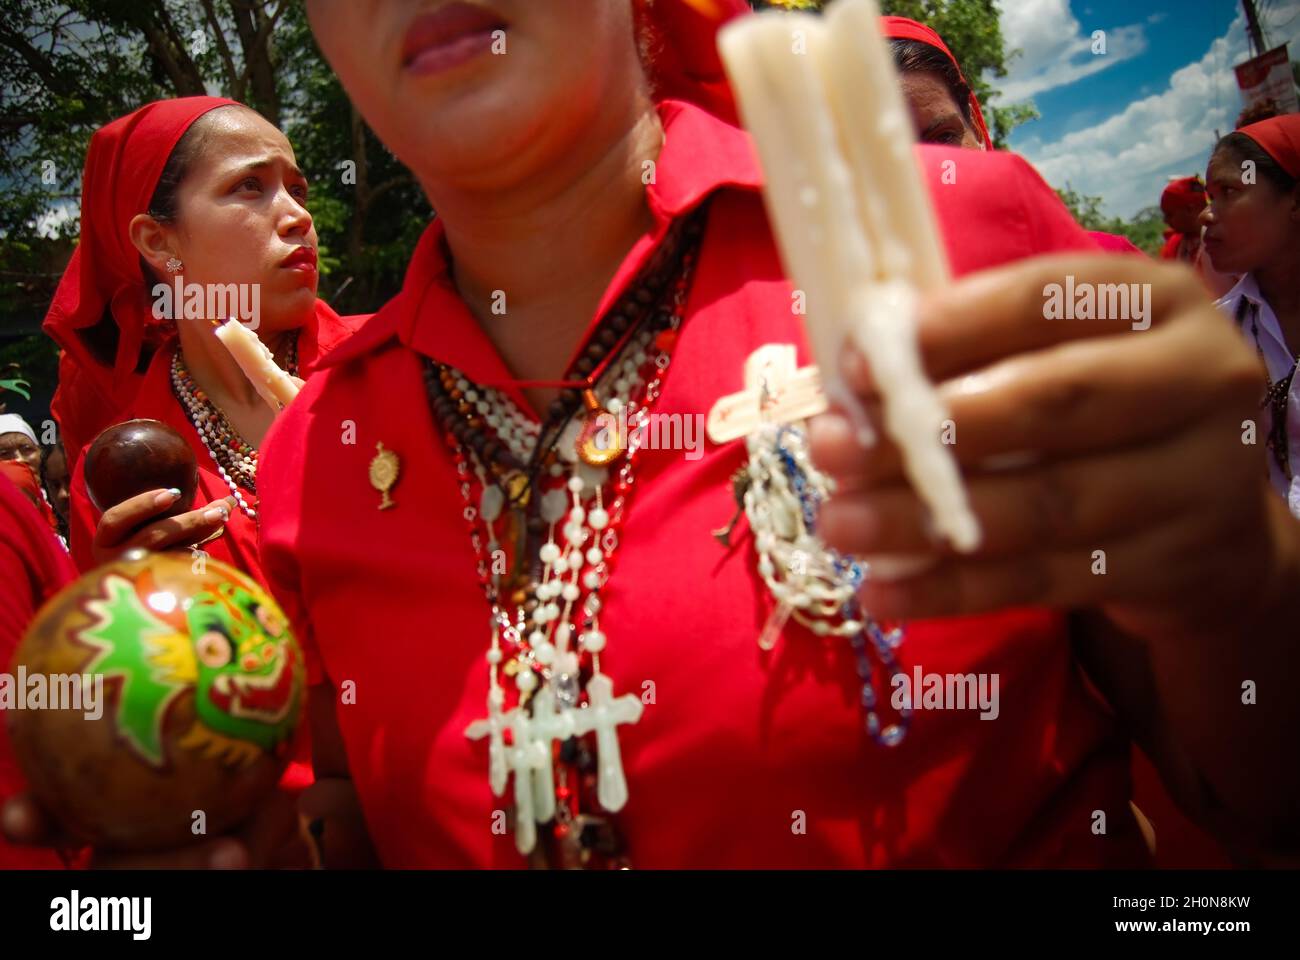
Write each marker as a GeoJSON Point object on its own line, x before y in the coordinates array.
{"type": "Point", "coordinates": [1279, 359]}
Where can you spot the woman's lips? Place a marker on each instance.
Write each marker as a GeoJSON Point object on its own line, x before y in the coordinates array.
{"type": "Point", "coordinates": [448, 37]}
{"type": "Point", "coordinates": [303, 259]}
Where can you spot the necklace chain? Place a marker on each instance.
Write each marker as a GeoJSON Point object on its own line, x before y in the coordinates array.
{"type": "Point", "coordinates": [545, 524]}
{"type": "Point", "coordinates": [235, 457]}
{"type": "Point", "coordinates": [1277, 393]}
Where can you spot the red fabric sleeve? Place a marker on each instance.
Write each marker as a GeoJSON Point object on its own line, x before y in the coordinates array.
{"type": "Point", "coordinates": [33, 567]}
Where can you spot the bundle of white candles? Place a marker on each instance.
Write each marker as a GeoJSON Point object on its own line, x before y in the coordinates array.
{"type": "Point", "coordinates": [275, 386]}
{"type": "Point", "coordinates": [821, 98]}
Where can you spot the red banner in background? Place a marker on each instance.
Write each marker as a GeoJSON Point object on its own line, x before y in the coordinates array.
{"type": "Point", "coordinates": [1268, 79]}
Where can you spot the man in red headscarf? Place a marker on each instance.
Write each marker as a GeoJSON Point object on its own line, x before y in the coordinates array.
{"type": "Point", "coordinates": [1182, 203]}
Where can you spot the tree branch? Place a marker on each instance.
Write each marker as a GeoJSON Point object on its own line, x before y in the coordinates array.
{"type": "Point", "coordinates": [400, 180]}
{"type": "Point", "coordinates": [228, 61]}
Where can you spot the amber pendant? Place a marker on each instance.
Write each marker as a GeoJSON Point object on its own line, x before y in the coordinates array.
{"type": "Point", "coordinates": [601, 440]}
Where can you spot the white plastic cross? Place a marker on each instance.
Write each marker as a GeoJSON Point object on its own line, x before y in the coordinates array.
{"type": "Point", "coordinates": [603, 714]}
{"type": "Point", "coordinates": [493, 727]}
{"type": "Point", "coordinates": [548, 725]}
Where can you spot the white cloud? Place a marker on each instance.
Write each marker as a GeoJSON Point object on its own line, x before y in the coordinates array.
{"type": "Point", "coordinates": [1056, 50]}
{"type": "Point", "coordinates": [1127, 158]}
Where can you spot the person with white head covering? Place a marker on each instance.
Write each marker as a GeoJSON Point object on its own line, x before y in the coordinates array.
{"type": "Point", "coordinates": [18, 441]}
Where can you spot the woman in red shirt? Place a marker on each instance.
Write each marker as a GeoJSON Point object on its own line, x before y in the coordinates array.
{"type": "Point", "coordinates": [214, 198]}
{"type": "Point", "coordinates": [591, 234]}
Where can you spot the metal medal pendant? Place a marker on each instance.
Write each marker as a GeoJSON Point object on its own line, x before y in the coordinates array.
{"type": "Point", "coordinates": [600, 442]}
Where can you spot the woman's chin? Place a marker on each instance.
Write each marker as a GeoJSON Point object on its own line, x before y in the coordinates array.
{"type": "Point", "coordinates": [288, 317]}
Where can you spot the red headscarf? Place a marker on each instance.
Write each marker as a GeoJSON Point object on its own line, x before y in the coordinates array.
{"type": "Point", "coordinates": [901, 28]}
{"type": "Point", "coordinates": [25, 479]}
{"type": "Point", "coordinates": [1184, 193]}
{"type": "Point", "coordinates": [125, 160]}
{"type": "Point", "coordinates": [680, 37]}
{"type": "Point", "coordinates": [1279, 137]}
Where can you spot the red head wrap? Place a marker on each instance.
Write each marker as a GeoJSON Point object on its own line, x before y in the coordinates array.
{"type": "Point", "coordinates": [1279, 137]}
{"type": "Point", "coordinates": [1185, 193]}
{"type": "Point", "coordinates": [901, 28]}
{"type": "Point", "coordinates": [25, 479]}
{"type": "Point", "coordinates": [125, 160]}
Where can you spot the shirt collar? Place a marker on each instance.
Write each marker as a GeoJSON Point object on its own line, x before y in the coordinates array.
{"type": "Point", "coordinates": [1247, 287]}
{"type": "Point", "coordinates": [701, 155]}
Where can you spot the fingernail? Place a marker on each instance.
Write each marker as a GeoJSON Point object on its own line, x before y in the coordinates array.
{"type": "Point", "coordinates": [167, 496]}
{"type": "Point", "coordinates": [228, 856]}
{"type": "Point", "coordinates": [215, 513]}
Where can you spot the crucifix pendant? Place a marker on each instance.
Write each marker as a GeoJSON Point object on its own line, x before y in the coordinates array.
{"type": "Point", "coordinates": [604, 714]}
{"type": "Point", "coordinates": [776, 390]}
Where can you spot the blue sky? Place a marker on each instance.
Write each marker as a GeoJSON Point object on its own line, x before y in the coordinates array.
{"type": "Point", "coordinates": [1120, 125]}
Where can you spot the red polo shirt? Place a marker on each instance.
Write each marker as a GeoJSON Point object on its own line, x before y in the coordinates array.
{"type": "Point", "coordinates": [737, 743]}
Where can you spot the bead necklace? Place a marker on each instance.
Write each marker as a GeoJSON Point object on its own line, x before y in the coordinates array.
{"type": "Point", "coordinates": [818, 587]}
{"type": "Point", "coordinates": [521, 483]}
{"type": "Point", "coordinates": [235, 457]}
{"type": "Point", "coordinates": [1277, 393]}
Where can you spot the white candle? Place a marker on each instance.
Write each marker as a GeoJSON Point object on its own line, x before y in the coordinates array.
{"type": "Point", "coordinates": [852, 217]}
{"type": "Point", "coordinates": [876, 127]}
{"type": "Point", "coordinates": [275, 386]}
{"type": "Point", "coordinates": [770, 60]}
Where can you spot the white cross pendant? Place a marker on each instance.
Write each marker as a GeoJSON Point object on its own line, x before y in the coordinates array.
{"type": "Point", "coordinates": [493, 727]}
{"type": "Point", "coordinates": [603, 714]}
{"type": "Point", "coordinates": [526, 759]}
{"type": "Point", "coordinates": [547, 726]}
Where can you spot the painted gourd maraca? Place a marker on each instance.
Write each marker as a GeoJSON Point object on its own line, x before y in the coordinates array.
{"type": "Point", "coordinates": [130, 458]}
{"type": "Point", "coordinates": [202, 689]}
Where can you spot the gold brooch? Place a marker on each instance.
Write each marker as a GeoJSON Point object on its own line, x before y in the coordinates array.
{"type": "Point", "coordinates": [384, 469]}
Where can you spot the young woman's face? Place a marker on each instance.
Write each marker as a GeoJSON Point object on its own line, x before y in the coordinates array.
{"type": "Point", "coordinates": [1247, 225]}
{"type": "Point", "coordinates": [479, 92]}
{"type": "Point", "coordinates": [935, 114]}
{"type": "Point", "coordinates": [242, 218]}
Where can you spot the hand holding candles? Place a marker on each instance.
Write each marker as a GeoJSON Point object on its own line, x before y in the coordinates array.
{"type": "Point", "coordinates": [275, 386]}
{"type": "Point", "coordinates": [851, 216]}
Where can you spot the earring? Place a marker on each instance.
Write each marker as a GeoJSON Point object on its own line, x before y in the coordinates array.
{"type": "Point", "coordinates": [174, 265]}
